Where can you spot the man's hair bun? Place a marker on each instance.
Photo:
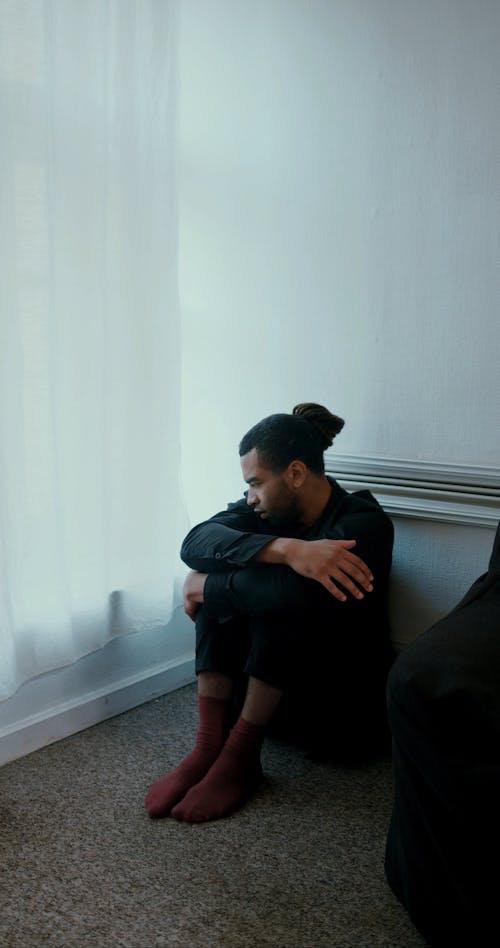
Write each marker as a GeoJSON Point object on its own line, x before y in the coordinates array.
{"type": "Point", "coordinates": [326, 424]}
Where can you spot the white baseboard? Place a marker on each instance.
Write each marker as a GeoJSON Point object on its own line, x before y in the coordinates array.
{"type": "Point", "coordinates": [38, 730]}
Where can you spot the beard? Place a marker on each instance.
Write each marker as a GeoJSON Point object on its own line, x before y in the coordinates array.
{"type": "Point", "coordinates": [286, 516]}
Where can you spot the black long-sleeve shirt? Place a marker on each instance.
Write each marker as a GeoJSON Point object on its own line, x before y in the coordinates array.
{"type": "Point", "coordinates": [224, 547]}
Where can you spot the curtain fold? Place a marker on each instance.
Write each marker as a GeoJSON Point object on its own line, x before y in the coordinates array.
{"type": "Point", "coordinates": [90, 509]}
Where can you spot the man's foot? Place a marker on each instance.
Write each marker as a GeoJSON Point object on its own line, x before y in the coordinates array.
{"type": "Point", "coordinates": [166, 792]}
{"type": "Point", "coordinates": [231, 779]}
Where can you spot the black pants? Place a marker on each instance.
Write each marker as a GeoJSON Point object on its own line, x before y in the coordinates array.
{"type": "Point", "coordinates": [334, 688]}
{"type": "Point", "coordinates": [442, 857]}
{"type": "Point", "coordinates": [266, 647]}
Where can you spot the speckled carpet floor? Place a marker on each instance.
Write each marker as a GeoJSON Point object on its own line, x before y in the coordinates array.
{"type": "Point", "coordinates": [82, 865]}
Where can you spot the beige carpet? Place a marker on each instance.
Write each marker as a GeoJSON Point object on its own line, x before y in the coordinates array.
{"type": "Point", "coordinates": [82, 865]}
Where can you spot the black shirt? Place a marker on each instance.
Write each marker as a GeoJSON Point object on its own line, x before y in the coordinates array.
{"type": "Point", "coordinates": [224, 547]}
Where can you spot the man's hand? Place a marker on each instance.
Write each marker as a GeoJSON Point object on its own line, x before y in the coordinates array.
{"type": "Point", "coordinates": [194, 585]}
{"type": "Point", "coordinates": [329, 562]}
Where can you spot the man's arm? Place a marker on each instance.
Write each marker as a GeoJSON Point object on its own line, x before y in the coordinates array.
{"type": "Point", "coordinates": [329, 562]}
{"type": "Point", "coordinates": [228, 540]}
{"type": "Point", "coordinates": [253, 590]}
{"type": "Point", "coordinates": [298, 566]}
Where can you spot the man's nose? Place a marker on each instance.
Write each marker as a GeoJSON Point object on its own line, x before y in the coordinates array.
{"type": "Point", "coordinates": [251, 497]}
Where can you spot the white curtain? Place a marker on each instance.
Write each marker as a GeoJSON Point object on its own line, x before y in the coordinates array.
{"type": "Point", "coordinates": [90, 513]}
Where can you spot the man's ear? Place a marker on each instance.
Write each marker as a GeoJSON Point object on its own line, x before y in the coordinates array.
{"type": "Point", "coordinates": [296, 473]}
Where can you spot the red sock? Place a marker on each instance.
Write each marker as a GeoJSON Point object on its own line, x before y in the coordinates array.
{"type": "Point", "coordinates": [230, 780]}
{"type": "Point", "coordinates": [212, 731]}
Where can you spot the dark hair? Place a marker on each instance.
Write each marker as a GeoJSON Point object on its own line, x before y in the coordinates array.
{"type": "Point", "coordinates": [302, 436]}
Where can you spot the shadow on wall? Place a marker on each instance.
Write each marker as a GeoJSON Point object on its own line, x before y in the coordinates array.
{"type": "Point", "coordinates": [434, 564]}
{"type": "Point", "coordinates": [412, 609]}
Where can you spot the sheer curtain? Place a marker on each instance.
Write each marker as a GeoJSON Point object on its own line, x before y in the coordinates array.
{"type": "Point", "coordinates": [90, 513]}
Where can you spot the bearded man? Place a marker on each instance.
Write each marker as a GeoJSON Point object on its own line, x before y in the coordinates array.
{"type": "Point", "coordinates": [289, 590]}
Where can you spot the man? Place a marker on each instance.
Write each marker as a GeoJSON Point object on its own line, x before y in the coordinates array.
{"type": "Point", "coordinates": [288, 588]}
{"type": "Point", "coordinates": [444, 711]}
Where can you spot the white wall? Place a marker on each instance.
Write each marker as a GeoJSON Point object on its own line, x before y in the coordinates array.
{"type": "Point", "coordinates": [340, 226]}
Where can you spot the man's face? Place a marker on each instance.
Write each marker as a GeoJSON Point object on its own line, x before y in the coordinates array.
{"type": "Point", "coordinates": [270, 494]}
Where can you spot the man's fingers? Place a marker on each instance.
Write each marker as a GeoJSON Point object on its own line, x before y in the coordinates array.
{"type": "Point", "coordinates": [339, 594]}
{"type": "Point", "coordinates": [344, 567]}
{"type": "Point", "coordinates": [343, 579]}
{"type": "Point", "coordinates": [333, 589]}
{"type": "Point", "coordinates": [357, 569]}
{"type": "Point", "coordinates": [358, 563]}
{"type": "Point", "coordinates": [362, 579]}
